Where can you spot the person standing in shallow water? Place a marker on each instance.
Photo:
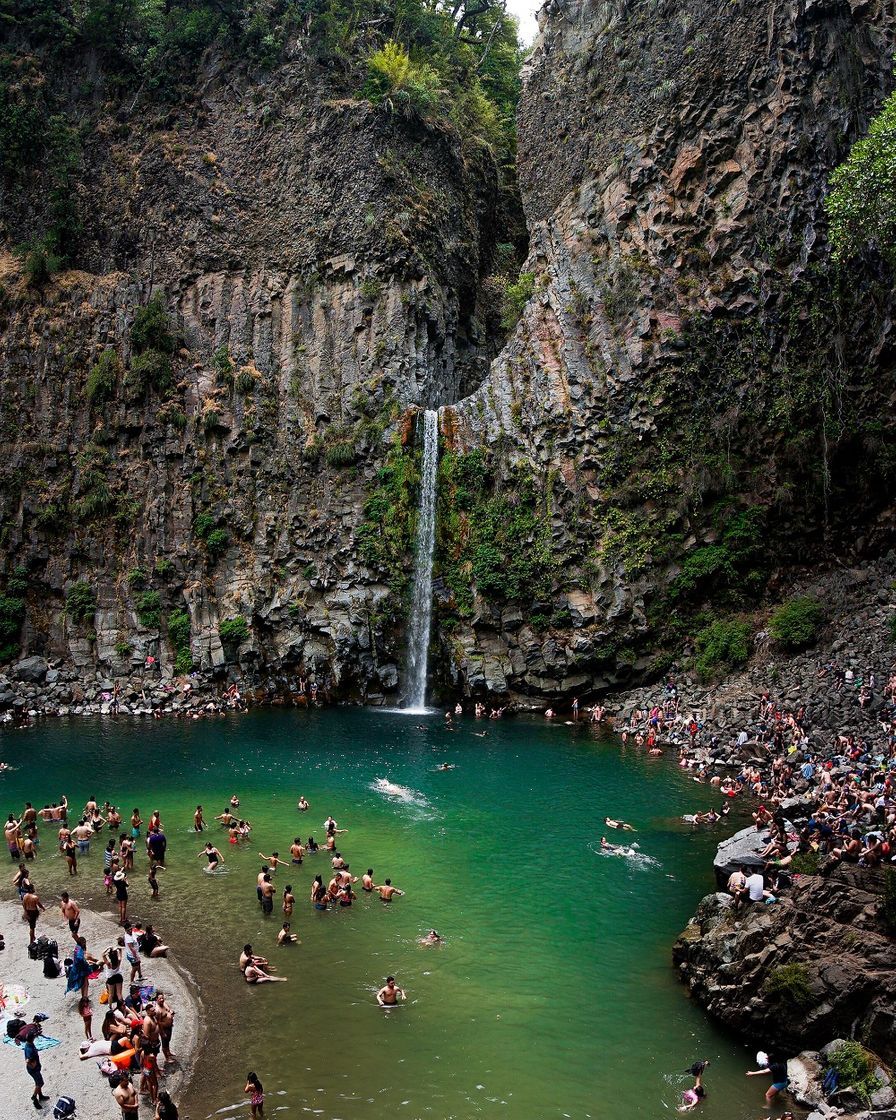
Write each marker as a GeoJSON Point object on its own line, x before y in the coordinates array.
{"type": "Point", "coordinates": [390, 993]}
{"type": "Point", "coordinates": [256, 1094]}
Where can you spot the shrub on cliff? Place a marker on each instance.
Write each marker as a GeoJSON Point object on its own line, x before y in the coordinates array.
{"type": "Point", "coordinates": [396, 81]}
{"type": "Point", "coordinates": [789, 984]}
{"type": "Point", "coordinates": [149, 370]}
{"type": "Point", "coordinates": [516, 296]}
{"type": "Point", "coordinates": [80, 602]}
{"type": "Point", "coordinates": [102, 377]}
{"type": "Point", "coordinates": [796, 624]}
{"type": "Point", "coordinates": [233, 631]}
{"type": "Point", "coordinates": [151, 329]}
{"type": "Point", "coordinates": [12, 611]}
{"type": "Point", "coordinates": [861, 206]}
{"type": "Point", "coordinates": [724, 644]}
{"type": "Point", "coordinates": [179, 636]}
{"type": "Point", "coordinates": [40, 262]}
{"type": "Point", "coordinates": [855, 1069]}
{"type": "Point", "coordinates": [149, 609]}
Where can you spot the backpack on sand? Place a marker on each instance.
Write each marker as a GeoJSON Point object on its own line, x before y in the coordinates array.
{"type": "Point", "coordinates": [64, 1108]}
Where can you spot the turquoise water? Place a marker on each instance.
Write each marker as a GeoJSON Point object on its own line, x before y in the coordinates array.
{"type": "Point", "coordinates": [553, 995]}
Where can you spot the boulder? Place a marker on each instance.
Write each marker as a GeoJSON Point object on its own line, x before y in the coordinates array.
{"type": "Point", "coordinates": [738, 851]}
{"type": "Point", "coordinates": [806, 1076]}
{"type": "Point", "coordinates": [31, 670]}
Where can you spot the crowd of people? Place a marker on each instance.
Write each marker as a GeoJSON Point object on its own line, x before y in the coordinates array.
{"type": "Point", "coordinates": [137, 1022]}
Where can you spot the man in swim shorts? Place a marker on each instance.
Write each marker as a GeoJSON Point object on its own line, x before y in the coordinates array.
{"type": "Point", "coordinates": [71, 912]}
{"type": "Point", "coordinates": [388, 892]}
{"type": "Point", "coordinates": [32, 905]}
{"type": "Point", "coordinates": [390, 994]}
{"type": "Point", "coordinates": [126, 1096]}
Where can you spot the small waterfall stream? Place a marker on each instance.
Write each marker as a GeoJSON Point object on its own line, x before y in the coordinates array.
{"type": "Point", "coordinates": [421, 603]}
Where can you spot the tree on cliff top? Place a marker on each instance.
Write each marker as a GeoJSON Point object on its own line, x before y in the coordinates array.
{"type": "Point", "coordinates": [861, 207]}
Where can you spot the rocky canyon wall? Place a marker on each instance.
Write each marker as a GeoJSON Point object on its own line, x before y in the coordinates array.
{"type": "Point", "coordinates": [696, 393]}
{"type": "Point", "coordinates": [692, 395]}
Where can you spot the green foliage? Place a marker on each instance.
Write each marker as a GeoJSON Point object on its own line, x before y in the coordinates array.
{"type": "Point", "coordinates": [95, 496]}
{"type": "Point", "coordinates": [386, 535]}
{"type": "Point", "coordinates": [149, 609]}
{"type": "Point", "coordinates": [163, 567]}
{"type": "Point", "coordinates": [12, 613]}
{"type": "Point", "coordinates": [340, 450]}
{"type": "Point", "coordinates": [151, 328]}
{"type": "Point", "coordinates": [497, 541]}
{"type": "Point", "coordinates": [123, 649]}
{"type": "Point", "coordinates": [40, 261]}
{"type": "Point", "coordinates": [246, 381]}
{"type": "Point", "coordinates": [234, 631]}
{"type": "Point", "coordinates": [136, 578]}
{"type": "Point", "coordinates": [178, 623]}
{"type": "Point", "coordinates": [102, 377]}
{"type": "Point", "coordinates": [222, 364]}
{"type": "Point", "coordinates": [80, 602]}
{"type": "Point", "coordinates": [796, 623]}
{"type": "Point", "coordinates": [861, 205]}
{"type": "Point", "coordinates": [216, 542]}
{"type": "Point", "coordinates": [370, 288]}
{"type": "Point", "coordinates": [855, 1068]}
{"type": "Point", "coordinates": [516, 296]}
{"type": "Point", "coordinates": [717, 567]}
{"type": "Point", "coordinates": [203, 524]}
{"type": "Point", "coordinates": [891, 627]}
{"type": "Point", "coordinates": [394, 80]}
{"type": "Point", "coordinates": [789, 984]}
{"type": "Point", "coordinates": [724, 644]}
{"type": "Point", "coordinates": [150, 369]}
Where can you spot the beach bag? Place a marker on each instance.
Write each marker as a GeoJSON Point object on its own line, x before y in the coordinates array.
{"type": "Point", "coordinates": [64, 1108]}
{"type": "Point", "coordinates": [13, 1027]}
{"type": "Point", "coordinates": [52, 968]}
{"type": "Point", "coordinates": [104, 995]}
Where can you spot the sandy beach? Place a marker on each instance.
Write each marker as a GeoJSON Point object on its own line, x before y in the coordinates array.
{"type": "Point", "coordinates": [64, 1073]}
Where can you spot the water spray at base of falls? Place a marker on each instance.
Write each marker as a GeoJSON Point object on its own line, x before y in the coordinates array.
{"type": "Point", "coordinates": [420, 619]}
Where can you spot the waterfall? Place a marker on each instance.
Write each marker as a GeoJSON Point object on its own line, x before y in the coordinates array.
{"type": "Point", "coordinates": [421, 604]}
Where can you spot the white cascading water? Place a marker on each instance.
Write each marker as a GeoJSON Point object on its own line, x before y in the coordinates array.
{"type": "Point", "coordinates": [421, 604]}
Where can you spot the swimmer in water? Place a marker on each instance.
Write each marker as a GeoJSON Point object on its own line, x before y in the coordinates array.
{"type": "Point", "coordinates": [285, 936]}
{"type": "Point", "coordinates": [388, 892]}
{"type": "Point", "coordinates": [303, 805]}
{"type": "Point", "coordinates": [213, 856]}
{"type": "Point", "coordinates": [610, 823]}
{"type": "Point", "coordinates": [234, 802]}
{"type": "Point", "coordinates": [445, 766]}
{"type": "Point", "coordinates": [432, 938]}
{"type": "Point", "coordinates": [390, 993]}
{"type": "Point", "coordinates": [607, 846]}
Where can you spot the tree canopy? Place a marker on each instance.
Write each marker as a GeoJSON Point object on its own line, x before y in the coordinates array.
{"type": "Point", "coordinates": [861, 206]}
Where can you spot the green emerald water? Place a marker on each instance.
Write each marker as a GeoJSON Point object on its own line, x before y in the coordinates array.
{"type": "Point", "coordinates": [553, 995]}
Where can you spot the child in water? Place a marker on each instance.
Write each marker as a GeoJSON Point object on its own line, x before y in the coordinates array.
{"type": "Point", "coordinates": [690, 1098]}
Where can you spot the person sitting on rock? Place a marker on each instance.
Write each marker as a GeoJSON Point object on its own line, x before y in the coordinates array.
{"type": "Point", "coordinates": [737, 886]}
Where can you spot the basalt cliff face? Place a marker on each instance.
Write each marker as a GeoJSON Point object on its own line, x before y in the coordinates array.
{"type": "Point", "coordinates": [320, 262]}
{"type": "Point", "coordinates": [695, 392]}
{"type": "Point", "coordinates": [689, 381]}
